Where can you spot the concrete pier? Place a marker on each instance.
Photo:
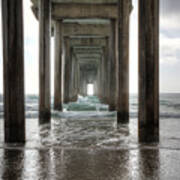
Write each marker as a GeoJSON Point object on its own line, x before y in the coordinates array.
{"type": "Point", "coordinates": [105, 74]}
{"type": "Point", "coordinates": [123, 62]}
{"type": "Point", "coordinates": [58, 67]}
{"type": "Point", "coordinates": [13, 61]}
{"type": "Point", "coordinates": [44, 60]}
{"type": "Point", "coordinates": [149, 71]}
{"type": "Point", "coordinates": [67, 62]}
{"type": "Point", "coordinates": [112, 67]}
{"type": "Point", "coordinates": [91, 47]}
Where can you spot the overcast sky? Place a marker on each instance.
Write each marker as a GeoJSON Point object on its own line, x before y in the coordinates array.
{"type": "Point", "coordinates": [169, 48]}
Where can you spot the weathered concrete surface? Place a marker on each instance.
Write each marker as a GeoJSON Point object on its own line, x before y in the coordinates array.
{"type": "Point", "coordinates": [72, 29]}
{"type": "Point", "coordinates": [86, 56]}
{"type": "Point", "coordinates": [58, 67]}
{"type": "Point", "coordinates": [104, 74]}
{"type": "Point", "coordinates": [67, 69]}
{"type": "Point", "coordinates": [13, 61]}
{"type": "Point", "coordinates": [73, 93]}
{"type": "Point", "coordinates": [112, 68]}
{"type": "Point", "coordinates": [123, 63]}
{"type": "Point", "coordinates": [75, 81]}
{"type": "Point", "coordinates": [44, 60]}
{"type": "Point", "coordinates": [82, 1]}
{"type": "Point", "coordinates": [87, 41]}
{"type": "Point", "coordinates": [88, 49]}
{"type": "Point", "coordinates": [149, 71]}
{"type": "Point", "coordinates": [84, 11]}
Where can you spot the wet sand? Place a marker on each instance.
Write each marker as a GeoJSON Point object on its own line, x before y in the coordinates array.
{"type": "Point", "coordinates": [90, 164]}
{"type": "Point", "coordinates": [98, 149]}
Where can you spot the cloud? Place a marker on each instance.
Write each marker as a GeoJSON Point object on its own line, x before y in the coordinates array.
{"type": "Point", "coordinates": [169, 50]}
{"type": "Point", "coordinates": [170, 15]}
{"type": "Point", "coordinates": [169, 7]}
{"type": "Point", "coordinates": [170, 32]}
{"type": "Point", "coordinates": [1, 63]}
{"type": "Point", "coordinates": [170, 26]}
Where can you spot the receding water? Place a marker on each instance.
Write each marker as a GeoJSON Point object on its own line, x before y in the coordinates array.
{"type": "Point", "coordinates": [87, 123]}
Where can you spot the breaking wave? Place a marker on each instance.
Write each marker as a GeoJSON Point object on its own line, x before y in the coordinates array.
{"type": "Point", "coordinates": [169, 107]}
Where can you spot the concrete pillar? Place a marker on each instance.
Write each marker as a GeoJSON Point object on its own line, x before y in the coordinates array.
{"type": "Point", "coordinates": [73, 81]}
{"type": "Point", "coordinates": [44, 60]}
{"type": "Point", "coordinates": [95, 87]}
{"type": "Point", "coordinates": [83, 81]}
{"type": "Point", "coordinates": [123, 62]}
{"type": "Point", "coordinates": [99, 80]}
{"type": "Point", "coordinates": [106, 71]}
{"type": "Point", "coordinates": [13, 57]}
{"type": "Point", "coordinates": [78, 78]}
{"type": "Point", "coordinates": [102, 79]}
{"type": "Point", "coordinates": [106, 81]}
{"type": "Point", "coordinates": [58, 67]}
{"type": "Point", "coordinates": [67, 69]}
{"type": "Point", "coordinates": [84, 84]}
{"type": "Point", "coordinates": [149, 71]}
{"type": "Point", "coordinates": [112, 68]}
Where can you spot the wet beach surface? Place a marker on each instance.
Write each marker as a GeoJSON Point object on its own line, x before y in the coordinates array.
{"type": "Point", "coordinates": [89, 164]}
{"type": "Point", "coordinates": [95, 149]}
{"type": "Point", "coordinates": [90, 145]}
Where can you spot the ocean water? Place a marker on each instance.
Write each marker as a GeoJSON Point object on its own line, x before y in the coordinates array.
{"type": "Point", "coordinates": [87, 123]}
{"type": "Point", "coordinates": [169, 106]}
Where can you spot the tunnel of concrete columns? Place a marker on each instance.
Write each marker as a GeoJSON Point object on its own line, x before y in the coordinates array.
{"type": "Point", "coordinates": [86, 50]}
{"type": "Point", "coordinates": [91, 47]}
{"type": "Point", "coordinates": [86, 59]}
{"type": "Point", "coordinates": [86, 65]}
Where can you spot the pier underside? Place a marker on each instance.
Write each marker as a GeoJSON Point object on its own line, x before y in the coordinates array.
{"type": "Point", "coordinates": [91, 62]}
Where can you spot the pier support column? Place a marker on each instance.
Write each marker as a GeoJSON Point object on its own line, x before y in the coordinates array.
{"type": "Point", "coordinates": [67, 70]}
{"type": "Point", "coordinates": [123, 62]}
{"type": "Point", "coordinates": [84, 83]}
{"type": "Point", "coordinates": [112, 68]}
{"type": "Point", "coordinates": [95, 87]}
{"type": "Point", "coordinates": [106, 71]}
{"type": "Point", "coordinates": [13, 61]}
{"type": "Point", "coordinates": [102, 78]}
{"type": "Point", "coordinates": [78, 78]}
{"type": "Point", "coordinates": [149, 71]}
{"type": "Point", "coordinates": [99, 80]}
{"type": "Point", "coordinates": [58, 67]}
{"type": "Point", "coordinates": [44, 60]}
{"type": "Point", "coordinates": [74, 78]}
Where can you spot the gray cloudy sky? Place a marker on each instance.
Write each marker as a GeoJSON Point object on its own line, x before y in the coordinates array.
{"type": "Point", "coordinates": [170, 45]}
{"type": "Point", "coordinates": [169, 48]}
